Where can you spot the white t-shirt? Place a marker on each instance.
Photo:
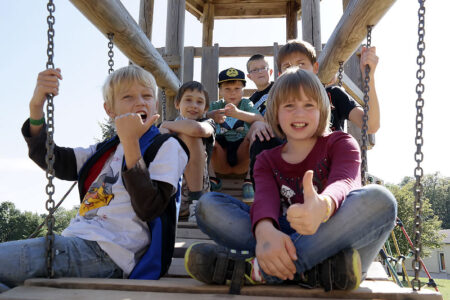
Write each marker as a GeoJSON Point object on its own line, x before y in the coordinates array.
{"type": "Point", "coordinates": [106, 215]}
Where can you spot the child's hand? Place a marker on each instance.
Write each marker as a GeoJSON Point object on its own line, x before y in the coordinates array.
{"type": "Point", "coordinates": [262, 130]}
{"type": "Point", "coordinates": [47, 83]}
{"type": "Point", "coordinates": [163, 127]}
{"type": "Point", "coordinates": [230, 110]}
{"type": "Point", "coordinates": [306, 218]}
{"type": "Point", "coordinates": [275, 251]}
{"type": "Point", "coordinates": [368, 57]}
{"type": "Point", "coordinates": [130, 127]}
{"type": "Point", "coordinates": [218, 115]}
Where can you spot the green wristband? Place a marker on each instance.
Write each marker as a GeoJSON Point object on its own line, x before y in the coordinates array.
{"type": "Point", "coordinates": [37, 122]}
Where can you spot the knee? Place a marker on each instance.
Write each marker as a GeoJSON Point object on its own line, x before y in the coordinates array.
{"type": "Point", "coordinates": [206, 206]}
{"type": "Point", "coordinates": [380, 199]}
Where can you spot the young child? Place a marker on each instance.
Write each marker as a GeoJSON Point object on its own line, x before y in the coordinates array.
{"type": "Point", "coordinates": [233, 116]}
{"type": "Point", "coordinates": [343, 106]}
{"type": "Point", "coordinates": [259, 72]}
{"type": "Point", "coordinates": [198, 133]}
{"type": "Point", "coordinates": [119, 190]}
{"type": "Point", "coordinates": [311, 222]}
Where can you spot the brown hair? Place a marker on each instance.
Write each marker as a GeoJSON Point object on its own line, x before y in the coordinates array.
{"type": "Point", "coordinates": [294, 46]}
{"type": "Point", "coordinates": [192, 86]}
{"type": "Point", "coordinates": [286, 87]}
{"type": "Point", "coordinates": [254, 58]}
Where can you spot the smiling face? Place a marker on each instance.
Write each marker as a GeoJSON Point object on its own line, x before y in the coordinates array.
{"type": "Point", "coordinates": [300, 60]}
{"type": "Point", "coordinates": [299, 117]}
{"type": "Point", "coordinates": [133, 98]}
{"type": "Point", "coordinates": [192, 104]}
{"type": "Point", "coordinates": [232, 91]}
{"type": "Point", "coordinates": [259, 72]}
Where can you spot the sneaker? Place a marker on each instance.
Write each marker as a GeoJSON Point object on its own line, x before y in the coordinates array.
{"type": "Point", "coordinates": [215, 183]}
{"type": "Point", "coordinates": [214, 264]}
{"type": "Point", "coordinates": [184, 209]}
{"type": "Point", "coordinates": [339, 272]}
{"type": "Point", "coordinates": [192, 208]}
{"type": "Point", "coordinates": [247, 191]}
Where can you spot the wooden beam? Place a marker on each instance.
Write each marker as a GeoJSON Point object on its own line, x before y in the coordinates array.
{"type": "Point", "coordinates": [311, 32]}
{"type": "Point", "coordinates": [349, 33]}
{"type": "Point", "coordinates": [111, 16]}
{"type": "Point", "coordinates": [210, 70]}
{"type": "Point", "coordinates": [188, 73]}
{"type": "Point", "coordinates": [208, 24]}
{"type": "Point", "coordinates": [275, 58]}
{"type": "Point", "coordinates": [146, 17]}
{"type": "Point", "coordinates": [292, 8]}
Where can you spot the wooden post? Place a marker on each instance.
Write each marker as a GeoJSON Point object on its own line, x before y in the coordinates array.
{"type": "Point", "coordinates": [210, 70]}
{"type": "Point", "coordinates": [311, 23]}
{"type": "Point", "coordinates": [112, 16]}
{"type": "Point", "coordinates": [188, 74]}
{"type": "Point", "coordinates": [208, 24]}
{"type": "Point", "coordinates": [291, 20]}
{"type": "Point", "coordinates": [175, 45]}
{"type": "Point", "coordinates": [349, 33]}
{"type": "Point", "coordinates": [275, 58]}
{"type": "Point", "coordinates": [146, 17]}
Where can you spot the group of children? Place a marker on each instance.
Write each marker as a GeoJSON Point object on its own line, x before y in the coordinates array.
{"type": "Point", "coordinates": [311, 222]}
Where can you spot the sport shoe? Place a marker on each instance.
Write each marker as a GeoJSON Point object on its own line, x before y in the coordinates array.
{"type": "Point", "coordinates": [214, 264]}
{"type": "Point", "coordinates": [247, 191]}
{"type": "Point", "coordinates": [339, 272]}
{"type": "Point", "coordinates": [215, 183]}
{"type": "Point", "coordinates": [192, 208]}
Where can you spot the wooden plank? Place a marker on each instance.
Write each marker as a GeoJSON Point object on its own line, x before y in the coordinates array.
{"type": "Point", "coordinates": [208, 24]}
{"type": "Point", "coordinates": [210, 70]}
{"type": "Point", "coordinates": [349, 33]}
{"type": "Point", "coordinates": [146, 17]}
{"type": "Point", "coordinates": [110, 16]}
{"type": "Point", "coordinates": [190, 233]}
{"type": "Point", "coordinates": [275, 58]}
{"type": "Point", "coordinates": [188, 73]}
{"type": "Point", "coordinates": [368, 289]}
{"type": "Point", "coordinates": [311, 31]}
{"type": "Point", "coordinates": [292, 8]}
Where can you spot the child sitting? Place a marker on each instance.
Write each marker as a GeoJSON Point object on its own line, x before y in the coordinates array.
{"type": "Point", "coordinates": [311, 222]}
{"type": "Point", "coordinates": [233, 116]}
{"type": "Point", "coordinates": [198, 133]}
{"type": "Point", "coordinates": [119, 190]}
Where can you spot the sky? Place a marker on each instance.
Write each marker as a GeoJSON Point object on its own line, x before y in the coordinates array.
{"type": "Point", "coordinates": [81, 53]}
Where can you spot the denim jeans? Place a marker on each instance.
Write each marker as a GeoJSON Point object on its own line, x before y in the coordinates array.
{"type": "Point", "coordinates": [74, 257]}
{"type": "Point", "coordinates": [363, 222]}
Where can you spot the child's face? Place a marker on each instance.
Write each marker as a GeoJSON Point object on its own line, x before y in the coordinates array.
{"type": "Point", "coordinates": [259, 72]}
{"type": "Point", "coordinates": [192, 104]}
{"type": "Point", "coordinates": [299, 117]}
{"type": "Point", "coordinates": [232, 92]}
{"type": "Point", "coordinates": [133, 98]}
{"type": "Point", "coordinates": [300, 60]}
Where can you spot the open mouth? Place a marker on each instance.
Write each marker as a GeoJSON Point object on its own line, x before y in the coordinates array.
{"type": "Point", "coordinates": [299, 125]}
{"type": "Point", "coordinates": [143, 116]}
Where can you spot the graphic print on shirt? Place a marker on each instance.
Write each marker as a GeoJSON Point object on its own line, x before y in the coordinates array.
{"type": "Point", "coordinates": [286, 194]}
{"type": "Point", "coordinates": [99, 194]}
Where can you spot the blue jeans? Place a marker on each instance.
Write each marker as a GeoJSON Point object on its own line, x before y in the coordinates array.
{"type": "Point", "coordinates": [363, 222]}
{"type": "Point", "coordinates": [74, 257]}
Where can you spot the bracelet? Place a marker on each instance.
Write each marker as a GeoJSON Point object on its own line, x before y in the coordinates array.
{"type": "Point", "coordinates": [37, 122]}
{"type": "Point", "coordinates": [328, 215]}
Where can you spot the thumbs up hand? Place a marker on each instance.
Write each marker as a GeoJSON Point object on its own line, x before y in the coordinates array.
{"type": "Point", "coordinates": [306, 218]}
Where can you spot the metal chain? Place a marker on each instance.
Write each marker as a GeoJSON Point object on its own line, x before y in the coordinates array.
{"type": "Point", "coordinates": [110, 52]}
{"type": "Point", "coordinates": [50, 145]}
{"type": "Point", "coordinates": [163, 109]}
{"type": "Point", "coordinates": [365, 127]}
{"type": "Point", "coordinates": [418, 171]}
{"type": "Point", "coordinates": [341, 71]}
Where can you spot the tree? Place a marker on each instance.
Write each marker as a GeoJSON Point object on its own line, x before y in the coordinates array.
{"type": "Point", "coordinates": [437, 189]}
{"type": "Point", "coordinates": [431, 224]}
{"type": "Point", "coordinates": [108, 129]}
{"type": "Point", "coordinates": [15, 225]}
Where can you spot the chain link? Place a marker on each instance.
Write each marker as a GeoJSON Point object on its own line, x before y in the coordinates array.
{"type": "Point", "coordinates": [50, 145]}
{"type": "Point", "coordinates": [418, 156]}
{"type": "Point", "coordinates": [365, 127]}
{"type": "Point", "coordinates": [163, 109]}
{"type": "Point", "coordinates": [110, 52]}
{"type": "Point", "coordinates": [341, 71]}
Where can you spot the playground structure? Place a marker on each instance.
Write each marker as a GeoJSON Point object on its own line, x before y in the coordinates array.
{"type": "Point", "coordinates": [173, 65]}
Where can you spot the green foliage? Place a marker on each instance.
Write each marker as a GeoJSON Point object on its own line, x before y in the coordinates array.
{"type": "Point", "coordinates": [437, 189]}
{"type": "Point", "coordinates": [108, 129]}
{"type": "Point", "coordinates": [431, 224]}
{"type": "Point", "coordinates": [17, 225]}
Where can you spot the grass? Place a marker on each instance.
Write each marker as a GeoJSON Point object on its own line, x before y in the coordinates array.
{"type": "Point", "coordinates": [442, 284]}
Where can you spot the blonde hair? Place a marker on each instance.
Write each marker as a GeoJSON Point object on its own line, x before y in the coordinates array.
{"type": "Point", "coordinates": [123, 77]}
{"type": "Point", "coordinates": [288, 86]}
{"type": "Point", "coordinates": [296, 46]}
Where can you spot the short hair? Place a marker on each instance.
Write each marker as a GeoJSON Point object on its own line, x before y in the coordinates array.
{"type": "Point", "coordinates": [123, 77]}
{"type": "Point", "coordinates": [192, 86]}
{"type": "Point", "coordinates": [232, 81]}
{"type": "Point", "coordinates": [294, 46]}
{"type": "Point", "coordinates": [255, 57]}
{"type": "Point", "coordinates": [287, 86]}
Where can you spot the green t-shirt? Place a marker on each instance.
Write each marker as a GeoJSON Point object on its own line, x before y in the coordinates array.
{"type": "Point", "coordinates": [233, 129]}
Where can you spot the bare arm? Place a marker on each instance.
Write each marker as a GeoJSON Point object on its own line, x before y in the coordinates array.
{"type": "Point", "coordinates": [248, 117]}
{"type": "Point", "coordinates": [189, 127]}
